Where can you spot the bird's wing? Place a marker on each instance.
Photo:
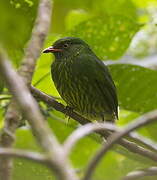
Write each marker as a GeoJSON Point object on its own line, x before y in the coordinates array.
{"type": "Point", "coordinates": [101, 79]}
{"type": "Point", "coordinates": [107, 86]}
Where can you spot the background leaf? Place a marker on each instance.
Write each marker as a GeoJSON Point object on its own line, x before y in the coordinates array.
{"type": "Point", "coordinates": [16, 21]}
{"type": "Point", "coordinates": [137, 88]}
{"type": "Point", "coordinates": [27, 169]}
{"type": "Point", "coordinates": [43, 68]}
{"type": "Point", "coordinates": [109, 36]}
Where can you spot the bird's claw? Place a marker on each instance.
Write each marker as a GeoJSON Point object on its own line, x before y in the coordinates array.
{"type": "Point", "coordinates": [68, 110]}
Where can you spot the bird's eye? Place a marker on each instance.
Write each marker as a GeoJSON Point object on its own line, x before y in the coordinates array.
{"type": "Point", "coordinates": [66, 45]}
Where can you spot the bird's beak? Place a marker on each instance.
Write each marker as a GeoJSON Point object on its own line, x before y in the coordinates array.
{"type": "Point", "coordinates": [51, 49]}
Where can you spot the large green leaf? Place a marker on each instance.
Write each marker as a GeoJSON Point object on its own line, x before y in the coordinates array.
{"type": "Point", "coordinates": [136, 85]}
{"type": "Point", "coordinates": [109, 36]}
{"type": "Point", "coordinates": [63, 8]}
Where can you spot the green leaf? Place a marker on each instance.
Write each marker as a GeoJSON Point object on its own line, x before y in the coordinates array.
{"type": "Point", "coordinates": [126, 116]}
{"type": "Point", "coordinates": [23, 168]}
{"type": "Point", "coordinates": [124, 8]}
{"type": "Point", "coordinates": [75, 17]}
{"type": "Point", "coordinates": [145, 3]}
{"type": "Point", "coordinates": [136, 85]}
{"type": "Point", "coordinates": [1, 116]}
{"type": "Point", "coordinates": [42, 76]}
{"type": "Point", "coordinates": [16, 21]}
{"type": "Point", "coordinates": [109, 37]}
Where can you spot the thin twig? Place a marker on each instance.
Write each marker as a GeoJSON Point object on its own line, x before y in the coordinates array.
{"type": "Point", "coordinates": [115, 137]}
{"type": "Point", "coordinates": [35, 44]}
{"type": "Point", "coordinates": [131, 146]}
{"type": "Point", "coordinates": [41, 79]}
{"type": "Point", "coordinates": [33, 156]}
{"type": "Point", "coordinates": [43, 134]}
{"type": "Point", "coordinates": [152, 171]}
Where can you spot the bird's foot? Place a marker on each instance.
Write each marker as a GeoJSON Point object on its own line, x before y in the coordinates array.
{"type": "Point", "coordinates": [68, 110]}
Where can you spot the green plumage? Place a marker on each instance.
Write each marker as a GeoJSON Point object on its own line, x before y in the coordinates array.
{"type": "Point", "coordinates": [83, 81]}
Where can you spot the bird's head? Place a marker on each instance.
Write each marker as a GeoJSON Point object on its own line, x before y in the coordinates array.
{"type": "Point", "coordinates": [67, 47]}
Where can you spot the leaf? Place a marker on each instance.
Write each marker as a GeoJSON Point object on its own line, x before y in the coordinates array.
{"type": "Point", "coordinates": [109, 36]}
{"type": "Point", "coordinates": [16, 21]}
{"type": "Point", "coordinates": [124, 8]}
{"type": "Point", "coordinates": [136, 86]}
{"type": "Point", "coordinates": [1, 116]}
{"type": "Point", "coordinates": [145, 3]}
{"type": "Point", "coordinates": [42, 75]}
{"type": "Point", "coordinates": [75, 17]}
{"type": "Point", "coordinates": [24, 168]}
{"type": "Point", "coordinates": [126, 116]}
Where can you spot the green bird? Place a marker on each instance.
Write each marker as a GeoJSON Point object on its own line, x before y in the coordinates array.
{"type": "Point", "coordinates": [82, 80]}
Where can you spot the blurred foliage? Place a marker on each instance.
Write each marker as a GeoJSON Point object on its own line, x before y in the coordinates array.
{"type": "Point", "coordinates": [17, 18]}
{"type": "Point", "coordinates": [145, 42]}
{"type": "Point", "coordinates": [80, 156]}
{"type": "Point", "coordinates": [1, 116]}
{"type": "Point", "coordinates": [110, 28]}
{"type": "Point", "coordinates": [1, 85]}
{"type": "Point", "coordinates": [144, 3]}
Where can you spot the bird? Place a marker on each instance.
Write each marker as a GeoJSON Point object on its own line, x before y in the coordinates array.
{"type": "Point", "coordinates": [83, 80]}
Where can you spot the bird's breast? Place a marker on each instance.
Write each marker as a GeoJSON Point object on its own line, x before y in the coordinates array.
{"type": "Point", "coordinates": [69, 82]}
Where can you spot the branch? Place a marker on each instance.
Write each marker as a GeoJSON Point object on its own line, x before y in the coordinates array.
{"type": "Point", "coordinates": [43, 134]}
{"type": "Point", "coordinates": [143, 140]}
{"type": "Point", "coordinates": [36, 42]}
{"type": "Point", "coordinates": [98, 127]}
{"type": "Point", "coordinates": [152, 171]}
{"type": "Point", "coordinates": [115, 137]}
{"type": "Point", "coordinates": [84, 131]}
{"type": "Point", "coordinates": [12, 117]}
{"type": "Point", "coordinates": [33, 156]}
{"type": "Point", "coordinates": [60, 107]}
